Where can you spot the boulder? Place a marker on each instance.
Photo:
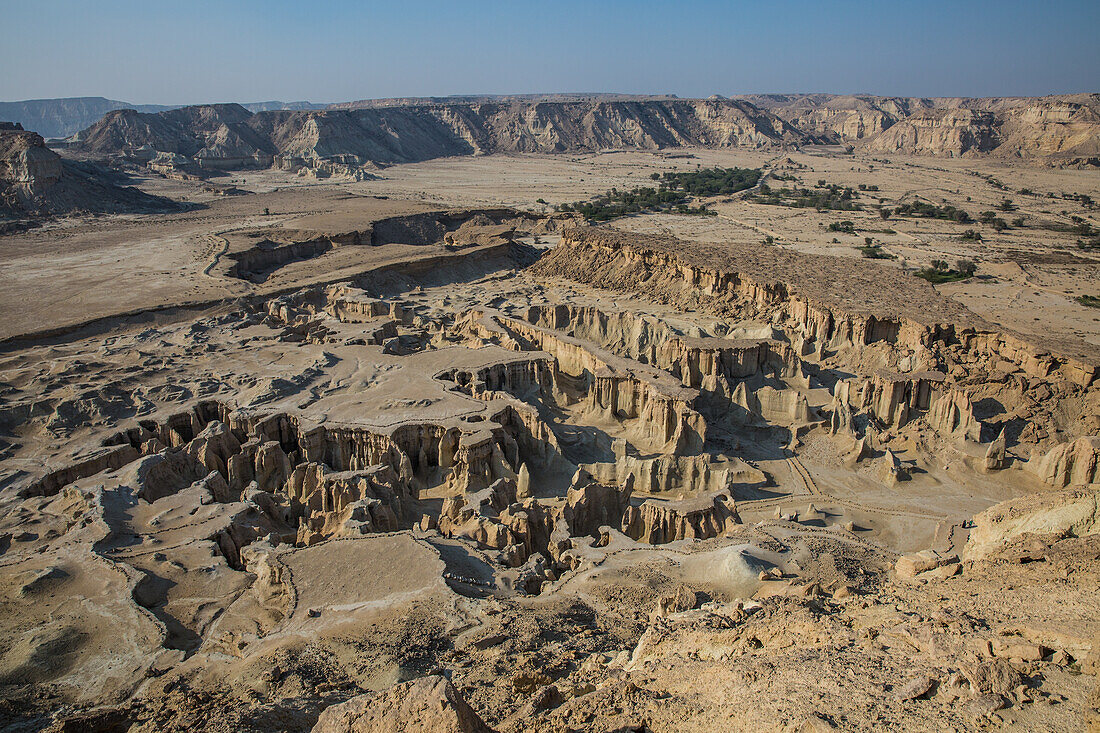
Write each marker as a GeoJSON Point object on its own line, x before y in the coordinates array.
{"type": "Point", "coordinates": [909, 566]}
{"type": "Point", "coordinates": [1072, 511]}
{"type": "Point", "coordinates": [429, 704]}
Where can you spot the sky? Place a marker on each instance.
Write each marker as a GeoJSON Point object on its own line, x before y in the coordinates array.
{"type": "Point", "coordinates": [193, 51]}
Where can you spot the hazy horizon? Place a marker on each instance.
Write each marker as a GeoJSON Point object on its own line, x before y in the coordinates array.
{"type": "Point", "coordinates": [338, 51]}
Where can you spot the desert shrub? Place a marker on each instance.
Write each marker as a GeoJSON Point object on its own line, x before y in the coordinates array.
{"type": "Point", "coordinates": [829, 197]}
{"type": "Point", "coordinates": [713, 181]}
{"type": "Point", "coordinates": [939, 272]}
{"type": "Point", "coordinates": [966, 267]}
{"type": "Point", "coordinates": [875, 252]}
{"type": "Point", "coordinates": [921, 210]}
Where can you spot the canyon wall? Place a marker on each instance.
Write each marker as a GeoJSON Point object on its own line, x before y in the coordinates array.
{"type": "Point", "coordinates": [1063, 130]}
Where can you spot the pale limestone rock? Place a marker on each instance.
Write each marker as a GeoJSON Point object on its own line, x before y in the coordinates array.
{"type": "Point", "coordinates": [1071, 511]}
{"type": "Point", "coordinates": [909, 566]}
{"type": "Point", "coordinates": [426, 704]}
{"type": "Point", "coordinates": [1069, 463]}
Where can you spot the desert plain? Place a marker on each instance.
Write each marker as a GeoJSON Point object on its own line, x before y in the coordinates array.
{"type": "Point", "coordinates": [413, 446]}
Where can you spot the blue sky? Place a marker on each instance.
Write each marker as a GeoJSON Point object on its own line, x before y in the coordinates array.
{"type": "Point", "coordinates": [188, 51]}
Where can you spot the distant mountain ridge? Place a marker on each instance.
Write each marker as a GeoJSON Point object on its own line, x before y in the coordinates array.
{"type": "Point", "coordinates": [56, 118]}
{"type": "Point", "coordinates": [52, 118]}
{"type": "Point", "coordinates": [228, 136]}
{"type": "Point", "coordinates": [1061, 130]}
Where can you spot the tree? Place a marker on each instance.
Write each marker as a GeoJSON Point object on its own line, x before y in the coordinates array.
{"type": "Point", "coordinates": [884, 213]}
{"type": "Point", "coordinates": [967, 267]}
{"type": "Point", "coordinates": [1007, 205]}
{"type": "Point", "coordinates": [267, 211]}
{"type": "Point", "coordinates": [939, 265]}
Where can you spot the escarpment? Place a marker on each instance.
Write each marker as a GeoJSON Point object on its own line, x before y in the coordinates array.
{"type": "Point", "coordinates": [351, 139]}
{"type": "Point", "coordinates": [800, 293]}
{"type": "Point", "coordinates": [934, 354]}
{"type": "Point", "coordinates": [35, 181]}
{"type": "Point", "coordinates": [227, 136]}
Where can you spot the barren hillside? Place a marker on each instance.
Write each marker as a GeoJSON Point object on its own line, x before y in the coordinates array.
{"type": "Point", "coordinates": [35, 180]}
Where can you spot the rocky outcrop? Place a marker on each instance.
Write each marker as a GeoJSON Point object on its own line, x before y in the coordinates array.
{"type": "Point", "coordinates": [496, 520]}
{"type": "Point", "coordinates": [426, 704]}
{"type": "Point", "coordinates": [689, 474]}
{"type": "Point", "coordinates": [35, 181]}
{"type": "Point", "coordinates": [878, 304]}
{"type": "Point", "coordinates": [657, 522]}
{"type": "Point", "coordinates": [657, 411]}
{"type": "Point", "coordinates": [910, 566]}
{"type": "Point", "coordinates": [26, 161]}
{"type": "Point", "coordinates": [952, 416]}
{"type": "Point", "coordinates": [1074, 512]}
{"type": "Point", "coordinates": [950, 133]}
{"type": "Point", "coordinates": [345, 504]}
{"type": "Point", "coordinates": [694, 360]}
{"type": "Point", "coordinates": [1069, 463]}
{"type": "Point", "coordinates": [996, 455]}
{"type": "Point", "coordinates": [894, 398]}
{"type": "Point", "coordinates": [590, 505]}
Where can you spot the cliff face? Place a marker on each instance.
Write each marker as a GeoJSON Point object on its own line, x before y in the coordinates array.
{"type": "Point", "coordinates": [35, 180]}
{"type": "Point", "coordinates": [1059, 129]}
{"type": "Point", "coordinates": [951, 133]}
{"type": "Point", "coordinates": [788, 288]}
{"type": "Point", "coordinates": [227, 134]}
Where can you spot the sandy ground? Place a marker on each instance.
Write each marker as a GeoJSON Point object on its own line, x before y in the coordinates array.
{"type": "Point", "coordinates": [362, 466]}
{"type": "Point", "coordinates": [1028, 276]}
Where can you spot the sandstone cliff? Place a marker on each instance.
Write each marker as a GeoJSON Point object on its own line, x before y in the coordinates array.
{"type": "Point", "coordinates": [226, 135]}
{"type": "Point", "coordinates": [1063, 130]}
{"type": "Point", "coordinates": [34, 180]}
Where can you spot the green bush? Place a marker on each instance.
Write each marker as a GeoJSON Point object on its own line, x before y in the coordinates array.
{"type": "Point", "coordinates": [672, 194]}
{"type": "Point", "coordinates": [830, 197]}
{"type": "Point", "coordinates": [875, 252]}
{"type": "Point", "coordinates": [921, 210]}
